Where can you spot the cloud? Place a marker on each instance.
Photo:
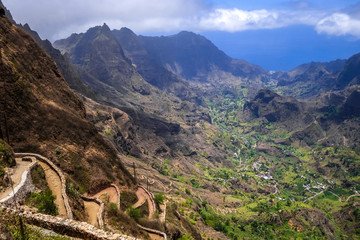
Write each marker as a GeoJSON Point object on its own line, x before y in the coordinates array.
{"type": "Point", "coordinates": [339, 24]}
{"type": "Point", "coordinates": [55, 19]}
{"type": "Point", "coordinates": [239, 20]}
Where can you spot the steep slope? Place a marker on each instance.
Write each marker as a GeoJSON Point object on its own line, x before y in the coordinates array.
{"type": "Point", "coordinates": [152, 72]}
{"type": "Point", "coordinates": [331, 119]}
{"type": "Point", "coordinates": [350, 75]}
{"type": "Point", "coordinates": [7, 13]}
{"type": "Point", "coordinates": [44, 116]}
{"type": "Point", "coordinates": [103, 66]}
{"type": "Point", "coordinates": [68, 71]}
{"type": "Point", "coordinates": [162, 125]}
{"type": "Point", "coordinates": [309, 80]}
{"type": "Point", "coordinates": [276, 109]}
{"type": "Point", "coordinates": [195, 58]}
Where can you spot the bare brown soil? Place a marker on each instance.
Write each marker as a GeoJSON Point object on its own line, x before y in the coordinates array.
{"type": "Point", "coordinates": [55, 186]}
{"type": "Point", "coordinates": [142, 197]}
{"type": "Point", "coordinates": [107, 195]}
{"type": "Point", "coordinates": [91, 209]}
{"type": "Point", "coordinates": [154, 236]}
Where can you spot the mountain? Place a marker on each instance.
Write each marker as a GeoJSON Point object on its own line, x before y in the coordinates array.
{"type": "Point", "coordinates": [43, 115]}
{"type": "Point", "coordinates": [309, 80]}
{"type": "Point", "coordinates": [331, 119]}
{"type": "Point", "coordinates": [193, 57]}
{"type": "Point", "coordinates": [7, 13]}
{"type": "Point", "coordinates": [68, 71]}
{"type": "Point", "coordinates": [231, 161]}
{"type": "Point", "coordinates": [153, 73]}
{"type": "Point", "coordinates": [276, 109]}
{"type": "Point", "coordinates": [350, 74]}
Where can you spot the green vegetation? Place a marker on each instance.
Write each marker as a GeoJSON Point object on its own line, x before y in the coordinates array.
{"type": "Point", "coordinates": [10, 229]}
{"type": "Point", "coordinates": [127, 199]}
{"type": "Point", "coordinates": [159, 198]}
{"type": "Point", "coordinates": [272, 189]}
{"type": "Point", "coordinates": [109, 132]}
{"type": "Point", "coordinates": [38, 178]}
{"type": "Point", "coordinates": [44, 202]}
{"type": "Point", "coordinates": [134, 213]}
{"type": "Point", "coordinates": [6, 155]}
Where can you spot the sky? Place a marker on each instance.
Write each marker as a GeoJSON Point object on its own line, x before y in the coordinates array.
{"type": "Point", "coordinates": [275, 34]}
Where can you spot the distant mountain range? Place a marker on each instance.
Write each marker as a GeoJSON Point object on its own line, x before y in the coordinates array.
{"type": "Point", "coordinates": [208, 129]}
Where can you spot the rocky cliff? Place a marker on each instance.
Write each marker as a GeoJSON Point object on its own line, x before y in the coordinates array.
{"type": "Point", "coordinates": [43, 115]}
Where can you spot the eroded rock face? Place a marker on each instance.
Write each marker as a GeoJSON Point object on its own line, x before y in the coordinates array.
{"type": "Point", "coordinates": [2, 11]}
{"type": "Point", "coordinates": [352, 104]}
{"type": "Point", "coordinates": [350, 74]}
{"type": "Point", "coordinates": [275, 108]}
{"type": "Point", "coordinates": [43, 112]}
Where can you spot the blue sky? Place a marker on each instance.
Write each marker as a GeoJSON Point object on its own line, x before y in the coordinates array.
{"type": "Point", "coordinates": [275, 34]}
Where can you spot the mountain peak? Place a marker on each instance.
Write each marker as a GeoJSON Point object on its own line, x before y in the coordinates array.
{"type": "Point", "coordinates": [105, 27]}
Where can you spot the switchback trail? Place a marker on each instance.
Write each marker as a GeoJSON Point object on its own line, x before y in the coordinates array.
{"type": "Point", "coordinates": [142, 196]}
{"type": "Point", "coordinates": [54, 182]}
{"type": "Point", "coordinates": [109, 193]}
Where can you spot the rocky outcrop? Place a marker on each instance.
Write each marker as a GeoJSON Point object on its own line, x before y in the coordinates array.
{"type": "Point", "coordinates": [350, 74]}
{"type": "Point", "coordinates": [275, 108]}
{"type": "Point", "coordinates": [193, 57]}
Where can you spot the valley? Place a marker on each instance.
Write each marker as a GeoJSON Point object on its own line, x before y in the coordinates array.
{"type": "Point", "coordinates": [169, 138]}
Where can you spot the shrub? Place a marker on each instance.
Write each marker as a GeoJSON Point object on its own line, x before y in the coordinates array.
{"type": "Point", "coordinates": [113, 209]}
{"type": "Point", "coordinates": [38, 178]}
{"type": "Point", "coordinates": [159, 198]}
{"type": "Point", "coordinates": [6, 154]}
{"type": "Point", "coordinates": [185, 237]}
{"type": "Point", "coordinates": [134, 213]}
{"type": "Point", "coordinates": [44, 202]}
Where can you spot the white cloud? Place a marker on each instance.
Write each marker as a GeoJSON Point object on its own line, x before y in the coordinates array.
{"type": "Point", "coordinates": [55, 19]}
{"type": "Point", "coordinates": [238, 20]}
{"type": "Point", "coordinates": [339, 24]}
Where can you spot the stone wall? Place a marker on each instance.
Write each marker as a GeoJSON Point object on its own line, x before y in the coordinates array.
{"type": "Point", "coordinates": [153, 231]}
{"type": "Point", "coordinates": [60, 174]}
{"type": "Point", "coordinates": [118, 194]}
{"type": "Point", "coordinates": [22, 189]}
{"type": "Point", "coordinates": [67, 227]}
{"type": "Point", "coordinates": [151, 196]}
{"type": "Point", "coordinates": [101, 212]}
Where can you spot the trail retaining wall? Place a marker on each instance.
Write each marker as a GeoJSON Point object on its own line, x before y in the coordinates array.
{"type": "Point", "coordinates": [59, 173]}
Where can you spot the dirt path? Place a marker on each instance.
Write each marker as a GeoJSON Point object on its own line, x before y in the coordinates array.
{"type": "Point", "coordinates": [154, 236]}
{"type": "Point", "coordinates": [92, 209]}
{"type": "Point", "coordinates": [142, 197]}
{"type": "Point", "coordinates": [107, 194]}
{"type": "Point", "coordinates": [21, 166]}
{"type": "Point", "coordinates": [354, 195]}
{"type": "Point", "coordinates": [54, 183]}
